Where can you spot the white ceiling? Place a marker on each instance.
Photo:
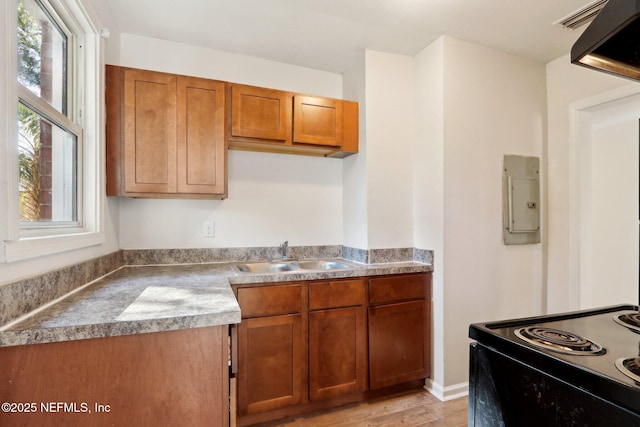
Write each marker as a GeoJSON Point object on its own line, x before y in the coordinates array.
{"type": "Point", "coordinates": [328, 34]}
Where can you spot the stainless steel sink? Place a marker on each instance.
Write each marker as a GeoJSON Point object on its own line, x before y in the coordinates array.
{"type": "Point", "coordinates": [266, 267]}
{"type": "Point", "coordinates": [277, 267]}
{"type": "Point", "coordinates": [321, 265]}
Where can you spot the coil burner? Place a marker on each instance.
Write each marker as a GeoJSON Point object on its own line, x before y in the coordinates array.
{"type": "Point", "coordinates": [629, 320]}
{"type": "Point", "coordinates": [559, 341]}
{"type": "Point", "coordinates": [629, 366]}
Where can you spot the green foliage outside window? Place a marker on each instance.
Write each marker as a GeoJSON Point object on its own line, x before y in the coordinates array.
{"type": "Point", "coordinates": [29, 68]}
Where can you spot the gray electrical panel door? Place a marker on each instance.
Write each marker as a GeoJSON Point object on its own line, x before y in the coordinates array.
{"type": "Point", "coordinates": [521, 200]}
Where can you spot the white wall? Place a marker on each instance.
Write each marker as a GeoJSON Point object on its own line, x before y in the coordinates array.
{"type": "Point", "coordinates": [272, 197]}
{"type": "Point", "coordinates": [491, 104]}
{"type": "Point", "coordinates": [162, 55]}
{"type": "Point", "coordinates": [428, 181]}
{"type": "Point", "coordinates": [354, 196]}
{"type": "Point", "coordinates": [567, 84]}
{"type": "Point", "coordinates": [608, 194]}
{"type": "Point", "coordinates": [389, 155]}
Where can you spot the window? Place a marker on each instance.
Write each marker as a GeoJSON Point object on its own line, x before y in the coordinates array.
{"type": "Point", "coordinates": [54, 187]}
{"type": "Point", "coordinates": [48, 134]}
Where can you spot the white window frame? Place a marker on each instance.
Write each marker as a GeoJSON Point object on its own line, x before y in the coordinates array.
{"type": "Point", "coordinates": [21, 243]}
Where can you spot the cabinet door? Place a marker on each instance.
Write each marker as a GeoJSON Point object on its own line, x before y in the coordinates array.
{"type": "Point", "coordinates": [398, 343]}
{"type": "Point", "coordinates": [261, 113]}
{"type": "Point", "coordinates": [317, 121]}
{"type": "Point", "coordinates": [337, 352]}
{"type": "Point", "coordinates": [201, 146]}
{"type": "Point", "coordinates": [270, 363]}
{"type": "Point", "coordinates": [149, 132]}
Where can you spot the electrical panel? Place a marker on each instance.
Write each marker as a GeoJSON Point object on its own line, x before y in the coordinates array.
{"type": "Point", "coordinates": [521, 200]}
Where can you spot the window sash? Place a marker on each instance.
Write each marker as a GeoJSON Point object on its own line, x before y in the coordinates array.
{"type": "Point", "coordinates": [61, 83]}
{"type": "Point", "coordinates": [43, 108]}
{"type": "Point", "coordinates": [67, 122]}
{"type": "Point", "coordinates": [65, 185]}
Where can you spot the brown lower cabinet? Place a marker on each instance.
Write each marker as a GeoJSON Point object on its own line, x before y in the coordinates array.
{"type": "Point", "coordinates": [174, 378]}
{"type": "Point", "coordinates": [337, 338]}
{"type": "Point", "coordinates": [399, 329]}
{"type": "Point", "coordinates": [398, 351]}
{"type": "Point", "coordinates": [270, 363]}
{"type": "Point", "coordinates": [271, 347]}
{"type": "Point", "coordinates": [312, 345]}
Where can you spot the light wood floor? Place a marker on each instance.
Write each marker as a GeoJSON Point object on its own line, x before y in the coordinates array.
{"type": "Point", "coordinates": [419, 408]}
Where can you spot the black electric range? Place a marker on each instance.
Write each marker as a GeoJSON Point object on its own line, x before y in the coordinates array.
{"type": "Point", "coordinates": [571, 369]}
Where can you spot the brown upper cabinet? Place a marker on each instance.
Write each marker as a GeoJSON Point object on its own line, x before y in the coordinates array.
{"type": "Point", "coordinates": [261, 113]}
{"type": "Point", "coordinates": [262, 119]}
{"type": "Point", "coordinates": [165, 135]}
{"type": "Point", "coordinates": [317, 121]}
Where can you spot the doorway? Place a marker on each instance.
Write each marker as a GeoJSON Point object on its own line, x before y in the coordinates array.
{"type": "Point", "coordinates": [607, 175]}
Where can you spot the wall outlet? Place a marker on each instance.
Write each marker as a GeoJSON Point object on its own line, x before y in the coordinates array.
{"type": "Point", "coordinates": [208, 229]}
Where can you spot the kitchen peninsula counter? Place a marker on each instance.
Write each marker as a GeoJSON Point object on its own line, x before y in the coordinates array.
{"type": "Point", "coordinates": [155, 298]}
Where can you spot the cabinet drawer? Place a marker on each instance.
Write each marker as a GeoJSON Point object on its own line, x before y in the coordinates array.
{"type": "Point", "coordinates": [270, 300]}
{"type": "Point", "coordinates": [340, 293]}
{"type": "Point", "coordinates": [398, 288]}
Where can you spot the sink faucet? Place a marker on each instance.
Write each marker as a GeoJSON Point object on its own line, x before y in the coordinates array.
{"type": "Point", "coordinates": [284, 249]}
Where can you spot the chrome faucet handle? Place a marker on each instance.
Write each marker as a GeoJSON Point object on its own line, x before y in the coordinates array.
{"type": "Point", "coordinates": [284, 249]}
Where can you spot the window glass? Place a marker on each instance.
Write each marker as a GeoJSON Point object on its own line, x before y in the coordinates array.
{"type": "Point", "coordinates": [47, 163]}
{"type": "Point", "coordinates": [42, 54]}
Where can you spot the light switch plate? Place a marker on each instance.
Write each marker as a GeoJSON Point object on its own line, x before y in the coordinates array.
{"type": "Point", "coordinates": [208, 229]}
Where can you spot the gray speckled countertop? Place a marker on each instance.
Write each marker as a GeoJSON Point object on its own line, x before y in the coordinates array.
{"type": "Point", "coordinates": [141, 299]}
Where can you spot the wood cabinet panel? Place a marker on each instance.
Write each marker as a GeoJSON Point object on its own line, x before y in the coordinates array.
{"type": "Point", "coordinates": [270, 300]}
{"type": "Point", "coordinates": [317, 120]}
{"type": "Point", "coordinates": [165, 135]}
{"type": "Point", "coordinates": [338, 293]}
{"type": "Point", "coordinates": [261, 119]}
{"type": "Point", "coordinates": [399, 288]}
{"type": "Point", "coordinates": [350, 130]}
{"type": "Point", "coordinates": [398, 343]}
{"type": "Point", "coordinates": [149, 132]}
{"type": "Point", "coordinates": [337, 352]}
{"type": "Point", "coordinates": [270, 363]}
{"type": "Point", "coordinates": [177, 378]}
{"type": "Point", "coordinates": [350, 350]}
{"type": "Point", "coordinates": [201, 146]}
{"type": "Point", "coordinates": [261, 113]}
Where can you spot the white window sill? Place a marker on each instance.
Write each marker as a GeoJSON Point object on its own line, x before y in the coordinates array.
{"type": "Point", "coordinates": [33, 247]}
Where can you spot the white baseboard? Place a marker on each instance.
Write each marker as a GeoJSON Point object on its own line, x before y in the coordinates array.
{"type": "Point", "coordinates": [447, 393]}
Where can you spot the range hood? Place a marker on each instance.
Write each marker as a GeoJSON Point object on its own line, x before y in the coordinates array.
{"type": "Point", "coordinates": [611, 43]}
